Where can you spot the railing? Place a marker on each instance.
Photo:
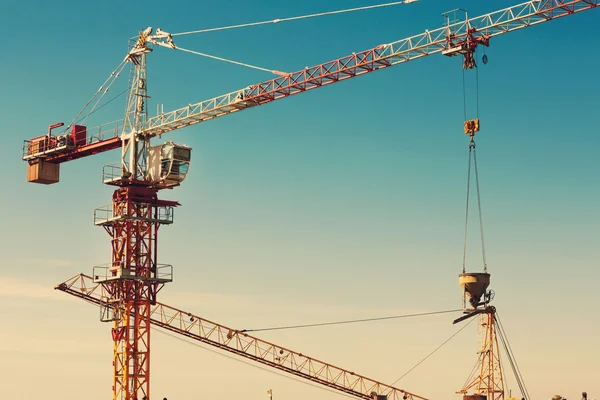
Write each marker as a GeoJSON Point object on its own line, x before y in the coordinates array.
{"type": "Point", "coordinates": [42, 146]}
{"type": "Point", "coordinates": [105, 272]}
{"type": "Point", "coordinates": [63, 142]}
{"type": "Point", "coordinates": [108, 213]}
{"type": "Point", "coordinates": [164, 272]}
{"type": "Point", "coordinates": [104, 214]}
{"type": "Point", "coordinates": [165, 214]}
{"type": "Point", "coordinates": [112, 172]}
{"type": "Point", "coordinates": [104, 132]}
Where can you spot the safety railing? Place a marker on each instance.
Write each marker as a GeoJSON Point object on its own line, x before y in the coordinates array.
{"type": "Point", "coordinates": [104, 214]}
{"type": "Point", "coordinates": [109, 213]}
{"type": "Point", "coordinates": [106, 272]}
{"type": "Point", "coordinates": [164, 273]}
{"type": "Point", "coordinates": [43, 146]}
{"type": "Point", "coordinates": [112, 173]}
{"type": "Point", "coordinates": [105, 131]}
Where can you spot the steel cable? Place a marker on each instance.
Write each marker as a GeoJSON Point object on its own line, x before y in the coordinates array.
{"type": "Point", "coordinates": [512, 358]}
{"type": "Point", "coordinates": [430, 354]}
{"type": "Point", "coordinates": [229, 61]}
{"type": "Point", "coordinates": [479, 207]}
{"type": "Point", "coordinates": [349, 321]}
{"type": "Point", "coordinates": [467, 213]}
{"type": "Point", "coordinates": [279, 20]}
{"type": "Point", "coordinates": [112, 76]}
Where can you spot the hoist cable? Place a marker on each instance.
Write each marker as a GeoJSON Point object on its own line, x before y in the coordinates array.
{"type": "Point", "coordinates": [479, 207]}
{"type": "Point", "coordinates": [467, 213]}
{"type": "Point", "coordinates": [430, 354]}
{"type": "Point", "coordinates": [473, 153]}
{"type": "Point", "coordinates": [464, 94]}
{"type": "Point", "coordinates": [229, 61]}
{"type": "Point", "coordinates": [477, 91]}
{"type": "Point", "coordinates": [349, 321]}
{"type": "Point", "coordinates": [278, 20]}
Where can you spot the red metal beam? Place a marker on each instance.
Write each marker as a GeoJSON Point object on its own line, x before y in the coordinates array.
{"type": "Point", "coordinates": [86, 150]}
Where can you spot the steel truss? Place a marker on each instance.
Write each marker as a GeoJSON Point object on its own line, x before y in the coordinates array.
{"type": "Point", "coordinates": [490, 380]}
{"type": "Point", "coordinates": [131, 284]}
{"type": "Point", "coordinates": [245, 345]}
{"type": "Point", "coordinates": [430, 42]}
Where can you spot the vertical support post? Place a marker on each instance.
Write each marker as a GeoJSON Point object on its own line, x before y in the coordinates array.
{"type": "Point", "coordinates": [489, 382]}
{"type": "Point", "coordinates": [133, 154]}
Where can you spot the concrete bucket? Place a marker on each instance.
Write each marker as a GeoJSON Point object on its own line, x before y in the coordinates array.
{"type": "Point", "coordinates": [474, 284]}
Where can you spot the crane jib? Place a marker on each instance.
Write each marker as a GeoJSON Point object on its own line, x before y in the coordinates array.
{"type": "Point", "coordinates": [517, 17]}
{"type": "Point", "coordinates": [242, 344]}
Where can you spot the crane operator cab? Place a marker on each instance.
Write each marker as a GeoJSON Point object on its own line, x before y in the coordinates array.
{"type": "Point", "coordinates": [168, 163]}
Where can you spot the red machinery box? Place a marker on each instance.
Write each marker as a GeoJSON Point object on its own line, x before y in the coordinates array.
{"type": "Point", "coordinates": [78, 135]}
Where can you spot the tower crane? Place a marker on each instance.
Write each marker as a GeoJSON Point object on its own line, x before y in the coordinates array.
{"type": "Point", "coordinates": [133, 277]}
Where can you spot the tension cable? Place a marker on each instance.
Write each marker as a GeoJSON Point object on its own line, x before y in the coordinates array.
{"type": "Point", "coordinates": [274, 71]}
{"type": "Point", "coordinates": [511, 358]}
{"type": "Point", "coordinates": [104, 88]}
{"type": "Point", "coordinates": [349, 321]}
{"type": "Point", "coordinates": [430, 354]}
{"type": "Point", "coordinates": [278, 20]}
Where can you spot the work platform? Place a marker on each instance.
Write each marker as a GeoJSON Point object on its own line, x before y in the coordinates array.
{"type": "Point", "coordinates": [162, 273]}
{"type": "Point", "coordinates": [109, 215]}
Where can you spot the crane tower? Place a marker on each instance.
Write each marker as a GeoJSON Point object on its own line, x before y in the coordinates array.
{"type": "Point", "coordinates": [488, 381]}
{"type": "Point", "coordinates": [134, 277]}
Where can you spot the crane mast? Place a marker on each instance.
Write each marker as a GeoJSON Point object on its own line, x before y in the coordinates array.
{"type": "Point", "coordinates": [134, 148]}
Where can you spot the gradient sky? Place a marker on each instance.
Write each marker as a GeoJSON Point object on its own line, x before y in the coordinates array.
{"type": "Point", "coordinates": [342, 203]}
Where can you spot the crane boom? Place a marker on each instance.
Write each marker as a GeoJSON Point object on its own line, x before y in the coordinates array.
{"type": "Point", "coordinates": [242, 344]}
{"type": "Point", "coordinates": [382, 56]}
{"type": "Point", "coordinates": [453, 39]}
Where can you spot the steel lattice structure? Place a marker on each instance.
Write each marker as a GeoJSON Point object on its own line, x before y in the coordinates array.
{"type": "Point", "coordinates": [490, 380]}
{"type": "Point", "coordinates": [430, 42]}
{"type": "Point", "coordinates": [132, 279]}
{"type": "Point", "coordinates": [131, 282]}
{"type": "Point", "coordinates": [242, 344]}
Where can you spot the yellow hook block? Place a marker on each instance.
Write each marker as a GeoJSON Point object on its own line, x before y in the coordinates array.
{"type": "Point", "coordinates": [471, 126]}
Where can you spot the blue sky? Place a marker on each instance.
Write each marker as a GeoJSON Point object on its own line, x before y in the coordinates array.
{"type": "Point", "coordinates": [345, 202]}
